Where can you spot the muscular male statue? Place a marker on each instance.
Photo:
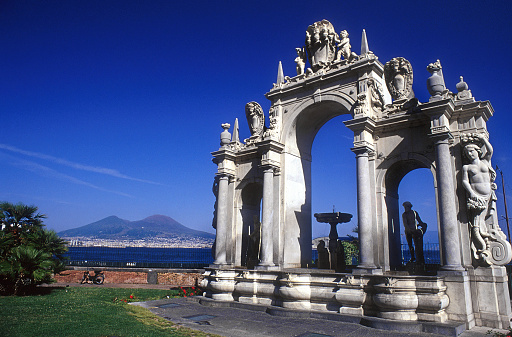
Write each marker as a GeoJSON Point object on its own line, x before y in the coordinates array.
{"type": "Point", "coordinates": [412, 220]}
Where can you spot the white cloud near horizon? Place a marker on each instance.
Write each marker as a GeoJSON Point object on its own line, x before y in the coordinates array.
{"type": "Point", "coordinates": [49, 172]}
{"type": "Point", "coordinates": [77, 166]}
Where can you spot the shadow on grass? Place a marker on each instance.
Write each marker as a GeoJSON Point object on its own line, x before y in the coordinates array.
{"type": "Point", "coordinates": [33, 291]}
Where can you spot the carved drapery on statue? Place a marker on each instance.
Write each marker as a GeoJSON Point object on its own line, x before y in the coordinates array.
{"type": "Point", "coordinates": [399, 78]}
{"type": "Point", "coordinates": [488, 242]}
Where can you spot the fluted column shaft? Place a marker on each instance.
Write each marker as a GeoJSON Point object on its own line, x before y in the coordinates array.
{"type": "Point", "coordinates": [222, 220]}
{"type": "Point", "coordinates": [267, 244]}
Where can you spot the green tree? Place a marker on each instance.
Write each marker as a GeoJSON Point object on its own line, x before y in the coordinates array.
{"type": "Point", "coordinates": [29, 253]}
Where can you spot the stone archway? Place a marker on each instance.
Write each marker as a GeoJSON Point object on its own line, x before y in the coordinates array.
{"type": "Point", "coordinates": [394, 133]}
{"type": "Point", "coordinates": [299, 132]}
{"type": "Point", "coordinates": [392, 178]}
{"type": "Point", "coordinates": [250, 213]}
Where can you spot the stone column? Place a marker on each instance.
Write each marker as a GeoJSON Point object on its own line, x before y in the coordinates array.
{"type": "Point", "coordinates": [450, 241]}
{"type": "Point", "coordinates": [364, 207]}
{"type": "Point", "coordinates": [267, 243]}
{"type": "Point", "coordinates": [222, 220]}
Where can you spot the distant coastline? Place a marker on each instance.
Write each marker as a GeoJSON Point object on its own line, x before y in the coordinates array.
{"type": "Point", "coordinates": [178, 242]}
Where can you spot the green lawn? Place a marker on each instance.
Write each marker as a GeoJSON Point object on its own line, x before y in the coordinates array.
{"type": "Point", "coordinates": [91, 312]}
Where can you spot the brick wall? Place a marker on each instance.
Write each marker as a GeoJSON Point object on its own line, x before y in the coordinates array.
{"type": "Point", "coordinates": [135, 277]}
{"type": "Point", "coordinates": [180, 279]}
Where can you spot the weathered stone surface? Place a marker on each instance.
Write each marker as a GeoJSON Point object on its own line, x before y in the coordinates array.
{"type": "Point", "coordinates": [269, 176]}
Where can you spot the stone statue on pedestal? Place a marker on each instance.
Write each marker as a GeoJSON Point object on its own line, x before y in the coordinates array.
{"type": "Point", "coordinates": [412, 221]}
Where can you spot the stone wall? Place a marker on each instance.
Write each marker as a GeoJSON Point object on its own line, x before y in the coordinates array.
{"type": "Point", "coordinates": [172, 277]}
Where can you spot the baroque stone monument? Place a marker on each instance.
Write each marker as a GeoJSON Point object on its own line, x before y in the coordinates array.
{"type": "Point", "coordinates": [267, 179]}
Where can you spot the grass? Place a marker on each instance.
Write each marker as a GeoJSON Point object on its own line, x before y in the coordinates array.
{"type": "Point", "coordinates": [91, 312]}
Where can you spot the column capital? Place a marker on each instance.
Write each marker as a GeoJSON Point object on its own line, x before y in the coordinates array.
{"type": "Point", "coordinates": [365, 123]}
{"type": "Point", "coordinates": [363, 149]}
{"type": "Point", "coordinates": [434, 109]}
{"type": "Point", "coordinates": [441, 137]}
{"type": "Point", "coordinates": [268, 168]}
{"type": "Point", "coordinates": [225, 160]}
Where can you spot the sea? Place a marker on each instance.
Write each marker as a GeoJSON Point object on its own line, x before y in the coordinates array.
{"type": "Point", "coordinates": [144, 257]}
{"type": "Point", "coordinates": [139, 257]}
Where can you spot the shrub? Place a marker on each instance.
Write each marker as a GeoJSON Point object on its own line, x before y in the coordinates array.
{"type": "Point", "coordinates": [29, 253]}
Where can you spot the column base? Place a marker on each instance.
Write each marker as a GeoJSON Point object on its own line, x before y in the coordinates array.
{"type": "Point", "coordinates": [266, 267]}
{"type": "Point", "coordinates": [455, 267]}
{"type": "Point", "coordinates": [220, 265]}
{"type": "Point", "coordinates": [367, 271]}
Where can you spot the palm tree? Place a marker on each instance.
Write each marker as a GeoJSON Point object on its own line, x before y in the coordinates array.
{"type": "Point", "coordinates": [26, 267]}
{"type": "Point", "coordinates": [29, 254]}
{"type": "Point", "coordinates": [19, 219]}
{"type": "Point", "coordinates": [49, 242]}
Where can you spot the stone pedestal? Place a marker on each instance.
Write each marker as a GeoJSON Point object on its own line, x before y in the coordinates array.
{"type": "Point", "coordinates": [491, 297]}
{"type": "Point", "coordinates": [458, 288]}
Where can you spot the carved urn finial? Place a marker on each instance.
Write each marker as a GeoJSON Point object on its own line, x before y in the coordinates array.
{"type": "Point", "coordinates": [435, 83]}
{"type": "Point", "coordinates": [463, 90]}
{"type": "Point", "coordinates": [225, 136]}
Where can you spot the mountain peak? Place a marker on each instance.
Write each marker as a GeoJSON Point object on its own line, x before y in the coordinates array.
{"type": "Point", "coordinates": [113, 227]}
{"type": "Point", "coordinates": [159, 218]}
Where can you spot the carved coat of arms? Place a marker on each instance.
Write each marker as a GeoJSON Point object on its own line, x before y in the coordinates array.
{"type": "Point", "coordinates": [398, 74]}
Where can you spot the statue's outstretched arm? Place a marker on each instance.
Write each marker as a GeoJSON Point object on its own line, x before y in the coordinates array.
{"type": "Point", "coordinates": [488, 147]}
{"type": "Point", "coordinates": [418, 218]}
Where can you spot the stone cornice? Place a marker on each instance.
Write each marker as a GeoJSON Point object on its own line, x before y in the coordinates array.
{"type": "Point", "coordinates": [270, 153]}
{"type": "Point", "coordinates": [483, 108]}
{"type": "Point", "coordinates": [300, 82]}
{"type": "Point", "coordinates": [437, 108]}
{"type": "Point", "coordinates": [400, 121]}
{"type": "Point", "coordinates": [223, 154]}
{"type": "Point", "coordinates": [359, 124]}
{"type": "Point", "coordinates": [270, 145]}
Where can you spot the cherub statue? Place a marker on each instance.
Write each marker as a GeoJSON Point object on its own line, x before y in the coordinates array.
{"type": "Point", "coordinates": [344, 48]}
{"type": "Point", "coordinates": [300, 60]}
{"type": "Point", "coordinates": [478, 180]}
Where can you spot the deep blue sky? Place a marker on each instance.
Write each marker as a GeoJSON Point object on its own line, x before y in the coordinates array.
{"type": "Point", "coordinates": [113, 107]}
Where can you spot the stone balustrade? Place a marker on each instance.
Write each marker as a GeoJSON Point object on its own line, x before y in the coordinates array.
{"type": "Point", "coordinates": [397, 297]}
